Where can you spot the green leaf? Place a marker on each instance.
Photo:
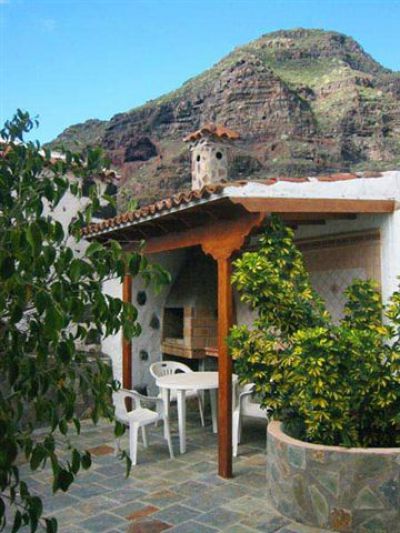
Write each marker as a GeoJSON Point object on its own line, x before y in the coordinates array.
{"type": "Point", "coordinates": [77, 424]}
{"type": "Point", "coordinates": [54, 319]}
{"type": "Point", "coordinates": [119, 429]}
{"type": "Point", "coordinates": [128, 465]}
{"type": "Point", "coordinates": [76, 461]}
{"type": "Point", "coordinates": [42, 300]}
{"type": "Point", "coordinates": [17, 522]}
{"type": "Point", "coordinates": [16, 313]}
{"type": "Point", "coordinates": [49, 443]}
{"type": "Point", "coordinates": [2, 509]}
{"type": "Point", "coordinates": [63, 480]}
{"type": "Point", "coordinates": [63, 426]}
{"type": "Point", "coordinates": [64, 351]}
{"type": "Point", "coordinates": [13, 371]}
{"type": "Point", "coordinates": [132, 205]}
{"type": "Point", "coordinates": [34, 237]}
{"type": "Point", "coordinates": [8, 452]}
{"type": "Point", "coordinates": [38, 455]}
{"type": "Point", "coordinates": [93, 336]}
{"type": "Point", "coordinates": [51, 525]}
{"type": "Point", "coordinates": [86, 460]}
{"type": "Point", "coordinates": [75, 269]}
{"type": "Point", "coordinates": [116, 249]}
{"type": "Point", "coordinates": [93, 248]}
{"type": "Point", "coordinates": [7, 267]}
{"type": "Point", "coordinates": [36, 507]}
{"type": "Point", "coordinates": [58, 232]}
{"type": "Point", "coordinates": [134, 264]}
{"type": "Point", "coordinates": [23, 489]}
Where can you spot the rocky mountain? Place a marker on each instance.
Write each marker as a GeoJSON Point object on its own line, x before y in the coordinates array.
{"type": "Point", "coordinates": [304, 102]}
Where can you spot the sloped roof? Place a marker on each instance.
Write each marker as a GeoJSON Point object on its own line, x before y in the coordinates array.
{"type": "Point", "coordinates": [160, 206]}
{"type": "Point", "coordinates": [217, 130]}
{"type": "Point", "coordinates": [219, 190]}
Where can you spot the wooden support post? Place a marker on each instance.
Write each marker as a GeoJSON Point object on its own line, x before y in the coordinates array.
{"type": "Point", "coordinates": [220, 243]}
{"type": "Point", "coordinates": [127, 345]}
{"type": "Point", "coordinates": [224, 369]}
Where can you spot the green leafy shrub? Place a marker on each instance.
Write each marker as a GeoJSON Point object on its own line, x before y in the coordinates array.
{"type": "Point", "coordinates": [335, 384]}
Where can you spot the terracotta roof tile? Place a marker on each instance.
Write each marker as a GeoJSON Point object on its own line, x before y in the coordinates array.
{"type": "Point", "coordinates": [212, 129]}
{"type": "Point", "coordinates": [371, 174]}
{"type": "Point", "coordinates": [159, 206]}
{"type": "Point", "coordinates": [337, 177]}
{"type": "Point", "coordinates": [187, 197]}
{"type": "Point", "coordinates": [293, 180]}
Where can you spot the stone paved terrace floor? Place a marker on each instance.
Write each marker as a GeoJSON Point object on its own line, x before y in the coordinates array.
{"type": "Point", "coordinates": [181, 495]}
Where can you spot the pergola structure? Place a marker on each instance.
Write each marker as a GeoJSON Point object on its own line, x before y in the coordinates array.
{"type": "Point", "coordinates": [219, 219]}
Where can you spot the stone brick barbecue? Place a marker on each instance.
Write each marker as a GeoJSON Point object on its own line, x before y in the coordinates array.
{"type": "Point", "coordinates": [189, 322]}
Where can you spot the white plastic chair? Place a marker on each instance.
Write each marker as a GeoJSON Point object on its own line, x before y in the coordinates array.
{"type": "Point", "coordinates": [245, 407]}
{"type": "Point", "coordinates": [140, 417]}
{"type": "Point", "coordinates": [164, 368]}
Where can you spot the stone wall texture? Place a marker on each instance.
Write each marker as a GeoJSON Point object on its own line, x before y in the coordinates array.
{"type": "Point", "coordinates": [210, 161]}
{"type": "Point", "coordinates": [350, 490]}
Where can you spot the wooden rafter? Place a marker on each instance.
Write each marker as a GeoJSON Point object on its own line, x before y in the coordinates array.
{"type": "Point", "coordinates": [314, 205]}
{"type": "Point", "coordinates": [213, 237]}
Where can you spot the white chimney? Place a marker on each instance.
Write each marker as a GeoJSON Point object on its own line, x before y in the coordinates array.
{"type": "Point", "coordinates": [210, 154]}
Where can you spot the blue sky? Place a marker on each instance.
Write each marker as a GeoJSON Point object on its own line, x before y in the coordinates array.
{"type": "Point", "coordinates": [68, 61]}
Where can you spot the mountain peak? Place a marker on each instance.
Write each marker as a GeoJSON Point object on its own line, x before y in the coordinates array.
{"type": "Point", "coordinates": [303, 100]}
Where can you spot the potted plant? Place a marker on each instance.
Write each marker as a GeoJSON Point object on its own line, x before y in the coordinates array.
{"type": "Point", "coordinates": [334, 445]}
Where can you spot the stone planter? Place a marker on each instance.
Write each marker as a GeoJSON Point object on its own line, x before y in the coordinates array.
{"type": "Point", "coordinates": [342, 489]}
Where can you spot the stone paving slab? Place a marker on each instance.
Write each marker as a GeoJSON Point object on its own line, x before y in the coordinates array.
{"type": "Point", "coordinates": [102, 522]}
{"type": "Point", "coordinates": [220, 518]}
{"type": "Point", "coordinates": [176, 514]}
{"type": "Point", "coordinates": [148, 526]}
{"type": "Point", "coordinates": [192, 527]}
{"type": "Point", "coordinates": [183, 495]}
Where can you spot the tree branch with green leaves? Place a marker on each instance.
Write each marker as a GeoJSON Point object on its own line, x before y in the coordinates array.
{"type": "Point", "coordinates": [51, 303]}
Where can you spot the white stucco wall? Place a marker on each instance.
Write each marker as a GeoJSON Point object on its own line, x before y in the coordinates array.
{"type": "Point", "coordinates": [244, 315]}
{"type": "Point", "coordinates": [389, 227]}
{"type": "Point", "coordinates": [150, 338]}
{"type": "Point", "coordinates": [64, 212]}
{"type": "Point", "coordinates": [68, 208]}
{"type": "Point", "coordinates": [112, 345]}
{"type": "Point", "coordinates": [386, 186]}
{"type": "Point", "coordinates": [390, 253]}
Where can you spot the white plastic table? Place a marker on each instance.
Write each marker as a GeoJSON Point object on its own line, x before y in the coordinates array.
{"type": "Point", "coordinates": [183, 382]}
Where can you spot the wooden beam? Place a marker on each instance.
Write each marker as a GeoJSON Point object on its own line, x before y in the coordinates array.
{"type": "Point", "coordinates": [224, 369]}
{"type": "Point", "coordinates": [127, 345]}
{"type": "Point", "coordinates": [314, 205]}
{"type": "Point", "coordinates": [312, 222]}
{"type": "Point", "coordinates": [221, 244]}
{"type": "Point", "coordinates": [229, 234]}
{"type": "Point", "coordinates": [288, 217]}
